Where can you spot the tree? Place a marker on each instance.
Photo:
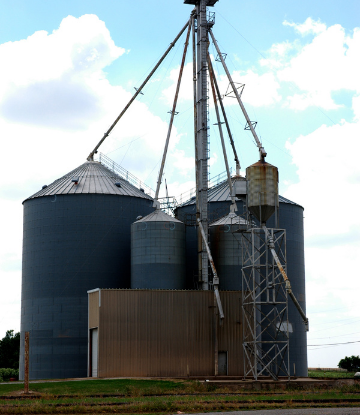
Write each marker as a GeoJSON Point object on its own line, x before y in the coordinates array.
{"type": "Point", "coordinates": [10, 350]}
{"type": "Point", "coordinates": [351, 364]}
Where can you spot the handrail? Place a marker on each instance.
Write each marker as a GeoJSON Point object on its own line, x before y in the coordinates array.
{"type": "Point", "coordinates": [125, 174]}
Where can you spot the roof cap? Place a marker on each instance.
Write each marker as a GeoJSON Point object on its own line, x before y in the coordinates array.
{"type": "Point", "coordinates": [158, 216]}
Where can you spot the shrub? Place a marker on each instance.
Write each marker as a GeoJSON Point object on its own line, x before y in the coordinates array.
{"type": "Point", "coordinates": [9, 350]}
{"type": "Point", "coordinates": [351, 364]}
{"type": "Point", "coordinates": [7, 373]}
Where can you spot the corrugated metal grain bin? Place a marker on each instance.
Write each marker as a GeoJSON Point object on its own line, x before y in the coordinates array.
{"type": "Point", "coordinates": [158, 252]}
{"type": "Point", "coordinates": [262, 190]}
{"type": "Point", "coordinates": [291, 219]}
{"type": "Point", "coordinates": [226, 250]}
{"type": "Point", "coordinates": [76, 237]}
{"type": "Point", "coordinates": [166, 333]}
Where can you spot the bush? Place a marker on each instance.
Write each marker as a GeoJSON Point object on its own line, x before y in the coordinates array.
{"type": "Point", "coordinates": [9, 350]}
{"type": "Point", "coordinates": [351, 364]}
{"type": "Point", "coordinates": [7, 373]}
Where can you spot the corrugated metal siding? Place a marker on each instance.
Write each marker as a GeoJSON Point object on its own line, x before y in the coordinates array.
{"type": "Point", "coordinates": [94, 309]}
{"type": "Point", "coordinates": [230, 333]}
{"type": "Point", "coordinates": [166, 333]}
{"type": "Point", "coordinates": [94, 178]}
{"type": "Point", "coordinates": [221, 193]}
{"type": "Point", "coordinates": [158, 255]}
{"type": "Point", "coordinates": [71, 244]}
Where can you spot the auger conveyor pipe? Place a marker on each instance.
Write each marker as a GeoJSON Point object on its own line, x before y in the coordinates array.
{"type": "Point", "coordinates": [212, 83]}
{"type": "Point", "coordinates": [249, 123]}
{"type": "Point", "coordinates": [236, 158]}
{"type": "Point", "coordinates": [138, 91]}
{"type": "Point", "coordinates": [286, 279]}
{"type": "Point", "coordinates": [173, 112]}
{"type": "Point", "coordinates": [216, 278]}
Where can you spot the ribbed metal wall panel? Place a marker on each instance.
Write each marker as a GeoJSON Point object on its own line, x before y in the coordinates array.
{"type": "Point", "coordinates": [94, 307]}
{"type": "Point", "coordinates": [166, 333]}
{"type": "Point", "coordinates": [291, 219]}
{"type": "Point", "coordinates": [230, 332]}
{"type": "Point", "coordinates": [72, 243]}
{"type": "Point", "coordinates": [226, 249]}
{"type": "Point", "coordinates": [158, 253]}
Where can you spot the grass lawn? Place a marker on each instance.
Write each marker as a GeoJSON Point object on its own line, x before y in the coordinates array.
{"type": "Point", "coordinates": [99, 386]}
{"type": "Point", "coordinates": [325, 374]}
{"type": "Point", "coordinates": [128, 396]}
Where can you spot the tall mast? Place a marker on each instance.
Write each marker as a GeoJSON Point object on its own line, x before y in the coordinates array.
{"type": "Point", "coordinates": [202, 135]}
{"type": "Point", "coordinates": [202, 132]}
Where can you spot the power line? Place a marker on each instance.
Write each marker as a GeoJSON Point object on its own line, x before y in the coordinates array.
{"type": "Point", "coordinates": [127, 144]}
{"type": "Point", "coordinates": [332, 344]}
{"type": "Point", "coordinates": [332, 337]}
{"type": "Point", "coordinates": [217, 12]}
{"type": "Point", "coordinates": [316, 106]}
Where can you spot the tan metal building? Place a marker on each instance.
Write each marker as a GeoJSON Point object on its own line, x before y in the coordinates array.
{"type": "Point", "coordinates": [163, 333]}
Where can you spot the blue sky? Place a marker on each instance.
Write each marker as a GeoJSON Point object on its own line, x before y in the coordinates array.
{"type": "Point", "coordinates": [68, 68]}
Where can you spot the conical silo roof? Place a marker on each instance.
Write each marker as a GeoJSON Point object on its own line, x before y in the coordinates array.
{"type": "Point", "coordinates": [90, 178]}
{"type": "Point", "coordinates": [230, 219]}
{"type": "Point", "coordinates": [158, 216]}
{"type": "Point", "coordinates": [221, 193]}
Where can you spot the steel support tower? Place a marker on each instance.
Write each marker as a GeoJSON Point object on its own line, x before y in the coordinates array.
{"type": "Point", "coordinates": [202, 130]}
{"type": "Point", "coordinates": [264, 304]}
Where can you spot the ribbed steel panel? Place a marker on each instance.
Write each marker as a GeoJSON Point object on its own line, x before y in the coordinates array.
{"type": "Point", "coordinates": [93, 178]}
{"type": "Point", "coordinates": [221, 193]}
{"type": "Point", "coordinates": [262, 190]}
{"type": "Point", "coordinates": [158, 252]}
{"type": "Point", "coordinates": [71, 243]}
{"type": "Point", "coordinates": [166, 333]}
{"type": "Point", "coordinates": [94, 305]}
{"type": "Point", "coordinates": [290, 219]}
{"type": "Point", "coordinates": [226, 250]}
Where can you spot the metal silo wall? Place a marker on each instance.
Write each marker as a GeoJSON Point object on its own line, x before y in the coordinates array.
{"type": "Point", "coordinates": [227, 255]}
{"type": "Point", "coordinates": [187, 215]}
{"type": "Point", "coordinates": [291, 219]}
{"type": "Point", "coordinates": [158, 255]}
{"type": "Point", "coordinates": [71, 244]}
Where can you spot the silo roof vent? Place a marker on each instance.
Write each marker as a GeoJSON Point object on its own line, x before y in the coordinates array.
{"type": "Point", "coordinates": [118, 184]}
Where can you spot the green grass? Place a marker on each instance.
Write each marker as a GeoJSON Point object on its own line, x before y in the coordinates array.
{"type": "Point", "coordinates": [324, 374]}
{"type": "Point", "coordinates": [157, 397]}
{"type": "Point", "coordinates": [90, 387]}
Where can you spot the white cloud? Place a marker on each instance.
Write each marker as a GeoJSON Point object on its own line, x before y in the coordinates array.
{"type": "Point", "coordinates": [329, 188]}
{"type": "Point", "coordinates": [328, 63]}
{"type": "Point", "coordinates": [356, 107]}
{"type": "Point", "coordinates": [321, 99]}
{"type": "Point", "coordinates": [279, 54]}
{"type": "Point", "coordinates": [310, 26]}
{"type": "Point", "coordinates": [259, 90]}
{"type": "Point", "coordinates": [186, 87]}
{"type": "Point", "coordinates": [55, 105]}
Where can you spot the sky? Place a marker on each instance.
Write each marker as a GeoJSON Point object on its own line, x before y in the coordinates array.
{"type": "Point", "coordinates": [68, 68]}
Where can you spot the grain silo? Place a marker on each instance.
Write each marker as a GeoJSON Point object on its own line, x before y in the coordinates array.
{"type": "Point", "coordinates": [158, 252]}
{"type": "Point", "coordinates": [76, 237]}
{"type": "Point", "coordinates": [226, 250]}
{"type": "Point", "coordinates": [291, 219]}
